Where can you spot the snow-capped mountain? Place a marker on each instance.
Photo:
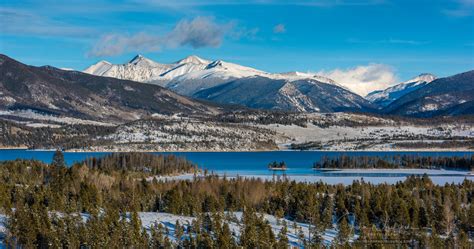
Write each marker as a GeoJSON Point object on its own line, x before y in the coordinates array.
{"type": "Point", "coordinates": [296, 95]}
{"type": "Point", "coordinates": [138, 69]}
{"type": "Point", "coordinates": [386, 97]}
{"type": "Point", "coordinates": [213, 74]}
{"type": "Point", "coordinates": [452, 95]}
{"type": "Point", "coordinates": [191, 74]}
{"type": "Point", "coordinates": [51, 91]}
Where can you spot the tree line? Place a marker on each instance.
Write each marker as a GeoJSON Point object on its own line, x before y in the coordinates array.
{"type": "Point", "coordinates": [396, 162]}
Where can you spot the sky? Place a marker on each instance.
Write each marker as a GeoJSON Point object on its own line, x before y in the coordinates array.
{"type": "Point", "coordinates": [368, 44]}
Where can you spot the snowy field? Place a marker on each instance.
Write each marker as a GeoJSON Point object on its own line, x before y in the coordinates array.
{"type": "Point", "coordinates": [169, 220]}
{"type": "Point", "coordinates": [378, 138]}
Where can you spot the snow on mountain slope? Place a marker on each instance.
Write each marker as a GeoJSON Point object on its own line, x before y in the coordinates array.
{"type": "Point", "coordinates": [138, 69]}
{"type": "Point", "coordinates": [191, 74]}
{"type": "Point", "coordinates": [213, 74]}
{"type": "Point", "coordinates": [451, 95]}
{"type": "Point", "coordinates": [100, 68]}
{"type": "Point", "coordinates": [295, 75]}
{"type": "Point", "coordinates": [304, 95]}
{"type": "Point", "coordinates": [387, 96]}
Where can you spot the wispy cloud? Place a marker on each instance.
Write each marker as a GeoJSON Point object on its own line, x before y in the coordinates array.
{"type": "Point", "coordinates": [279, 28]}
{"type": "Point", "coordinates": [197, 33]}
{"type": "Point", "coordinates": [363, 79]}
{"type": "Point", "coordinates": [22, 22]}
{"type": "Point", "coordinates": [388, 41]}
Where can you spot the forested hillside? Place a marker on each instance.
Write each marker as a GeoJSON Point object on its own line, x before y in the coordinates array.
{"type": "Point", "coordinates": [96, 203]}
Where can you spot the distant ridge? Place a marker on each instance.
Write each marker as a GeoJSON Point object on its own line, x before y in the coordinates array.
{"type": "Point", "coordinates": [385, 97]}
{"type": "Point", "coordinates": [189, 75]}
{"type": "Point", "coordinates": [452, 95]}
{"type": "Point", "coordinates": [71, 93]}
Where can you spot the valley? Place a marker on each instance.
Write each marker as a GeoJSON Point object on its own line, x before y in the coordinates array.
{"type": "Point", "coordinates": [244, 110]}
{"type": "Point", "coordinates": [236, 124]}
{"type": "Point", "coordinates": [261, 131]}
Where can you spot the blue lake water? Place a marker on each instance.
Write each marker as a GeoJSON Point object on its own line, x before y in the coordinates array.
{"type": "Point", "coordinates": [242, 163]}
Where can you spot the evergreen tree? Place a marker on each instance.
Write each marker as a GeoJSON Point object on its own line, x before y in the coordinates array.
{"type": "Point", "coordinates": [343, 231]}
{"type": "Point", "coordinates": [224, 238]}
{"type": "Point", "coordinates": [178, 232]}
{"type": "Point", "coordinates": [283, 241]}
{"type": "Point", "coordinates": [58, 159]}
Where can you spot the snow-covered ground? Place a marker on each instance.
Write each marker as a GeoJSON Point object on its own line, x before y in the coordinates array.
{"type": "Point", "coordinates": [366, 137]}
{"type": "Point", "coordinates": [3, 228]}
{"type": "Point", "coordinates": [189, 135]}
{"type": "Point", "coordinates": [150, 219]}
{"type": "Point", "coordinates": [315, 131]}
{"type": "Point", "coordinates": [29, 114]}
{"type": "Point", "coordinates": [169, 220]}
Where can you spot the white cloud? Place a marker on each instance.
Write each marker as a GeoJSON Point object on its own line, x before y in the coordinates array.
{"type": "Point", "coordinates": [363, 79]}
{"type": "Point", "coordinates": [279, 28]}
{"type": "Point", "coordinates": [196, 33]}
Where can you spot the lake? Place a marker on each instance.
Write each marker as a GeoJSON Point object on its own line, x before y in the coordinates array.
{"type": "Point", "coordinates": [254, 164]}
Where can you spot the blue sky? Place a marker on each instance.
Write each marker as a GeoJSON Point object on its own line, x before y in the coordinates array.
{"type": "Point", "coordinates": [393, 39]}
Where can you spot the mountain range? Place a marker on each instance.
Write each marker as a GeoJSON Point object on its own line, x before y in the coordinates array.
{"type": "Point", "coordinates": [110, 92]}
{"type": "Point", "coordinates": [229, 83]}
{"type": "Point", "coordinates": [452, 95]}
{"type": "Point", "coordinates": [71, 93]}
{"type": "Point", "coordinates": [189, 75]}
{"type": "Point", "coordinates": [385, 97]}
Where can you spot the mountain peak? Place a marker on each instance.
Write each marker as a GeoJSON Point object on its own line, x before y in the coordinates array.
{"type": "Point", "coordinates": [99, 68]}
{"type": "Point", "coordinates": [193, 59]}
{"type": "Point", "coordinates": [103, 62]}
{"type": "Point", "coordinates": [424, 77]}
{"type": "Point", "coordinates": [142, 61]}
{"type": "Point", "coordinates": [137, 58]}
{"type": "Point", "coordinates": [295, 75]}
{"type": "Point", "coordinates": [389, 95]}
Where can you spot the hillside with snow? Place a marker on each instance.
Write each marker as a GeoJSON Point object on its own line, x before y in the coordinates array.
{"type": "Point", "coordinates": [387, 96]}
{"type": "Point", "coordinates": [52, 91]}
{"type": "Point", "coordinates": [298, 95]}
{"type": "Point", "coordinates": [447, 96]}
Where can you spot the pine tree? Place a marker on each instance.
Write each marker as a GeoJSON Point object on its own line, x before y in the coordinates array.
{"type": "Point", "coordinates": [249, 234]}
{"type": "Point", "coordinates": [283, 241]}
{"type": "Point", "coordinates": [316, 238]}
{"type": "Point", "coordinates": [178, 232]}
{"type": "Point", "coordinates": [344, 230]}
{"type": "Point", "coordinates": [157, 236]}
{"type": "Point", "coordinates": [224, 238]}
{"type": "Point", "coordinates": [58, 159]}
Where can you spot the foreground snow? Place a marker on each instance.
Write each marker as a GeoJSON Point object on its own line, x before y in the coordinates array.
{"type": "Point", "coordinates": [150, 219]}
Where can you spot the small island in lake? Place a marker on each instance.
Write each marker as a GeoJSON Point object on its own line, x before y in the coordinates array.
{"type": "Point", "coordinates": [277, 166]}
